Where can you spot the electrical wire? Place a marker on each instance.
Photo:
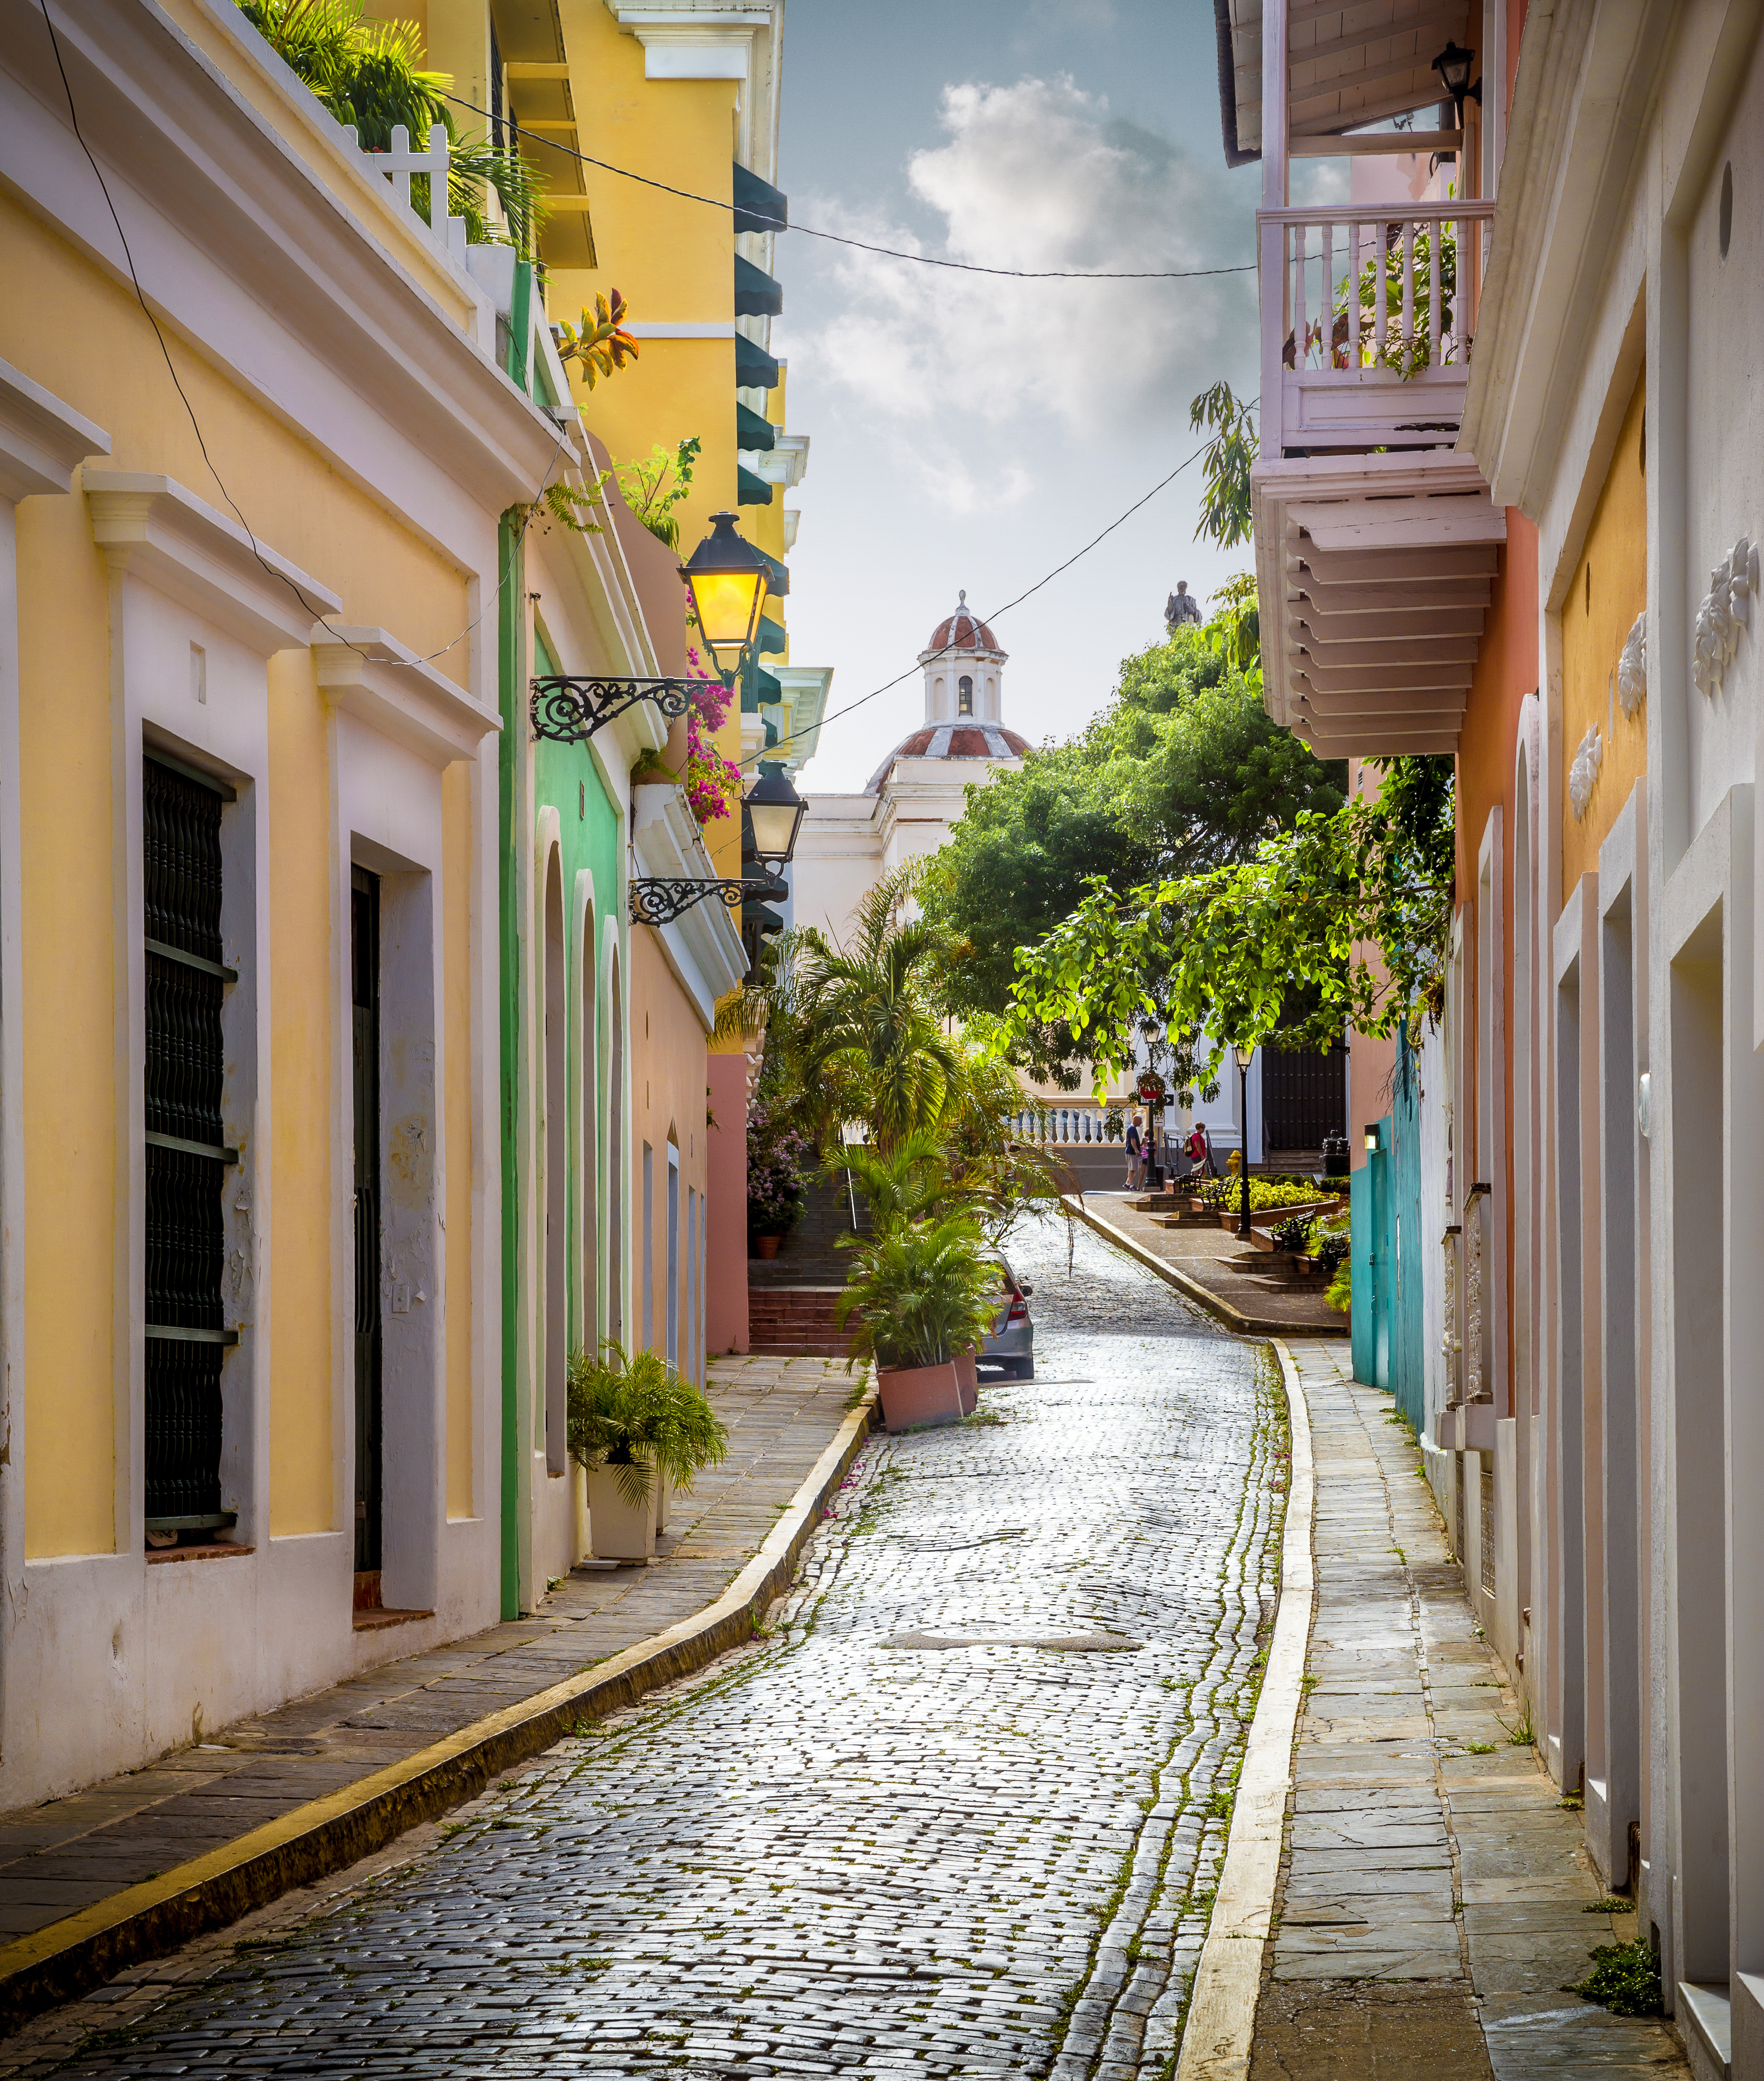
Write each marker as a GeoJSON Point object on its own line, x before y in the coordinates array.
{"type": "Point", "coordinates": [863, 246]}
{"type": "Point", "coordinates": [268, 569]}
{"type": "Point", "coordinates": [772, 751]}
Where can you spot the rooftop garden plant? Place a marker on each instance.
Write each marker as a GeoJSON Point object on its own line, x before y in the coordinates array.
{"type": "Point", "coordinates": [369, 73]}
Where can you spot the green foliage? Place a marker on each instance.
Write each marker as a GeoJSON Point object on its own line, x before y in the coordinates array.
{"type": "Point", "coordinates": [1342, 920]}
{"type": "Point", "coordinates": [654, 486]}
{"type": "Point", "coordinates": [369, 73]}
{"type": "Point", "coordinates": [1226, 1194]}
{"type": "Point", "coordinates": [1225, 511]}
{"type": "Point", "coordinates": [1625, 1979]}
{"type": "Point", "coordinates": [637, 1417]}
{"type": "Point", "coordinates": [923, 1293]}
{"type": "Point", "coordinates": [1406, 357]}
{"type": "Point", "coordinates": [1339, 1295]}
{"type": "Point", "coordinates": [1183, 773]}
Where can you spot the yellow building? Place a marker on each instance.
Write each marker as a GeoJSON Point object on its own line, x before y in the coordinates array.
{"type": "Point", "coordinates": [686, 97]}
{"type": "Point", "coordinates": [256, 629]}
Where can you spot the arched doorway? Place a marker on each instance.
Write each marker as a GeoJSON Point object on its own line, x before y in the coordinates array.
{"type": "Point", "coordinates": [555, 1147]}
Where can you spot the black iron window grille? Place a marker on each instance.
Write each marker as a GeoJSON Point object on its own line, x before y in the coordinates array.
{"type": "Point", "coordinates": [186, 1157]}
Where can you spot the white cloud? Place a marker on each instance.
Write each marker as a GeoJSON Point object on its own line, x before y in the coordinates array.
{"type": "Point", "coordinates": [1035, 176]}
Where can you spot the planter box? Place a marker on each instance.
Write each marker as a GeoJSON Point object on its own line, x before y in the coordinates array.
{"type": "Point", "coordinates": [927, 1394]}
{"type": "Point", "coordinates": [619, 1532]}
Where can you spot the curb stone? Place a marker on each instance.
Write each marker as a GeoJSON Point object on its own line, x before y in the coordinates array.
{"type": "Point", "coordinates": [68, 1957]}
{"type": "Point", "coordinates": [1221, 2008]}
{"type": "Point", "coordinates": [1191, 1289]}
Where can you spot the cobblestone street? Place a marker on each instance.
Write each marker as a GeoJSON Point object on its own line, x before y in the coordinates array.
{"type": "Point", "coordinates": [959, 1814]}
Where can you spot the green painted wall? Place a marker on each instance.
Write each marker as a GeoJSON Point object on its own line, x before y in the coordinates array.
{"type": "Point", "coordinates": [567, 778]}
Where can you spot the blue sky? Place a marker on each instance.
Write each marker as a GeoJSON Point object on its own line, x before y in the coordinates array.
{"type": "Point", "coordinates": [970, 432]}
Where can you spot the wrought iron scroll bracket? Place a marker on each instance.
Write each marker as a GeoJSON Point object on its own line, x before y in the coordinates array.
{"type": "Point", "coordinates": [659, 899]}
{"type": "Point", "coordinates": [569, 711]}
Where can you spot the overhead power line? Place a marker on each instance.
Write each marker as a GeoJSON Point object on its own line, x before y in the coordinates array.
{"type": "Point", "coordinates": [863, 245]}
{"type": "Point", "coordinates": [1120, 519]}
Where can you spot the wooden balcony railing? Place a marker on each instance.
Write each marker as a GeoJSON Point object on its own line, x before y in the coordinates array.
{"type": "Point", "coordinates": [1367, 316]}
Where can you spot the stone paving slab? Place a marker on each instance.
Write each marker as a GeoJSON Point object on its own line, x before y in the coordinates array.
{"type": "Point", "coordinates": [1236, 1277]}
{"type": "Point", "coordinates": [72, 1853]}
{"type": "Point", "coordinates": [1432, 1900]}
{"type": "Point", "coordinates": [825, 1854]}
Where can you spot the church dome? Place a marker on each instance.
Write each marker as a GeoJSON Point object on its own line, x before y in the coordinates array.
{"type": "Point", "coordinates": [951, 740]}
{"type": "Point", "coordinates": [964, 631]}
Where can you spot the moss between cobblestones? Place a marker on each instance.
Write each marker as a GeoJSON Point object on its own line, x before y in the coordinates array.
{"type": "Point", "coordinates": [1231, 1704]}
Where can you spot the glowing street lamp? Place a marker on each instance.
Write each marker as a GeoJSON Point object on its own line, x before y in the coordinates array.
{"type": "Point", "coordinates": [726, 577]}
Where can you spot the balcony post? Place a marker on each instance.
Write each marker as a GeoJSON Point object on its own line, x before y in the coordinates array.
{"type": "Point", "coordinates": [1276, 72]}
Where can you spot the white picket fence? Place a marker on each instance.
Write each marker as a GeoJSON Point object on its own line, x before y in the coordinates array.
{"type": "Point", "coordinates": [398, 165]}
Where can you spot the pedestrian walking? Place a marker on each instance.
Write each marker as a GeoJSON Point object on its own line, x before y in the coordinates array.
{"type": "Point", "coordinates": [1200, 1150]}
{"type": "Point", "coordinates": [1135, 1145]}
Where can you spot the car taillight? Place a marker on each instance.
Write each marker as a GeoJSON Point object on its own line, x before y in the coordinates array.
{"type": "Point", "coordinates": [1019, 1309]}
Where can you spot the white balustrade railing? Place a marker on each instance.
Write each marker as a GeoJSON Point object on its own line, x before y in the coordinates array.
{"type": "Point", "coordinates": [1361, 286]}
{"type": "Point", "coordinates": [1067, 1125]}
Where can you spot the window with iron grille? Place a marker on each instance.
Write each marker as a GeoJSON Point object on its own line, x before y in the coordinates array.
{"type": "Point", "coordinates": [186, 1158]}
{"type": "Point", "coordinates": [1487, 1530]}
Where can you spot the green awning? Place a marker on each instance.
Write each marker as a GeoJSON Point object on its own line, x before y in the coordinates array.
{"type": "Point", "coordinates": [772, 638]}
{"type": "Point", "coordinates": [759, 206]}
{"type": "Point", "coordinates": [752, 431]}
{"type": "Point", "coordinates": [751, 490]}
{"type": "Point", "coordinates": [755, 369]}
{"type": "Point", "coordinates": [770, 692]}
{"type": "Point", "coordinates": [777, 576]}
{"type": "Point", "coordinates": [757, 295]}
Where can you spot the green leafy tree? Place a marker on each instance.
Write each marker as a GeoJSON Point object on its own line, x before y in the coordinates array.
{"type": "Point", "coordinates": [1183, 773]}
{"type": "Point", "coordinates": [1342, 920]}
{"type": "Point", "coordinates": [1225, 511]}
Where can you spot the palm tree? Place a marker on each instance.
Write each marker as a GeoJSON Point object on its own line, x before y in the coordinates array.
{"type": "Point", "coordinates": [874, 1043]}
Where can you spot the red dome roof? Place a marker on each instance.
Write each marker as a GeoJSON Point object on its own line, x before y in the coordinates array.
{"type": "Point", "coordinates": [951, 740]}
{"type": "Point", "coordinates": [964, 631]}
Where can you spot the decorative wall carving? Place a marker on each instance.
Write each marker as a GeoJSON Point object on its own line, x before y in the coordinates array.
{"type": "Point", "coordinates": [1473, 1214]}
{"type": "Point", "coordinates": [1725, 610]}
{"type": "Point", "coordinates": [1632, 667]}
{"type": "Point", "coordinates": [1585, 771]}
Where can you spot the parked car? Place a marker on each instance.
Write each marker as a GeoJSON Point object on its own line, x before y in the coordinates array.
{"type": "Point", "coordinates": [1011, 1344]}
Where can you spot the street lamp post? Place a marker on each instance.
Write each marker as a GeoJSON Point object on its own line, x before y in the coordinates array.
{"type": "Point", "coordinates": [1245, 1056]}
{"type": "Point", "coordinates": [726, 579]}
{"type": "Point", "coordinates": [773, 811]}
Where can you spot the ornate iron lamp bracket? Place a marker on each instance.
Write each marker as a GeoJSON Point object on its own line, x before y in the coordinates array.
{"type": "Point", "coordinates": [569, 711]}
{"type": "Point", "coordinates": [659, 899]}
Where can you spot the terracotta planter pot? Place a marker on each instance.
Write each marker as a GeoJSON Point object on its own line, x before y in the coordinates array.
{"type": "Point", "coordinates": [619, 1532]}
{"type": "Point", "coordinates": [968, 1369]}
{"type": "Point", "coordinates": [766, 1245]}
{"type": "Point", "coordinates": [927, 1394]}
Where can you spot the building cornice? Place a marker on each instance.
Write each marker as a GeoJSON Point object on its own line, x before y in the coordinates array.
{"type": "Point", "coordinates": [370, 675]}
{"type": "Point", "coordinates": [257, 234]}
{"type": "Point", "coordinates": [153, 529]}
{"type": "Point", "coordinates": [1586, 79]}
{"type": "Point", "coordinates": [41, 439]}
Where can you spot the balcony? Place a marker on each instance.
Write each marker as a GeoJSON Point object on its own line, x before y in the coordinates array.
{"type": "Point", "coordinates": [1376, 541]}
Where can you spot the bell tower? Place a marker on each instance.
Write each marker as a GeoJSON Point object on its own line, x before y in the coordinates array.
{"type": "Point", "coordinates": [964, 670]}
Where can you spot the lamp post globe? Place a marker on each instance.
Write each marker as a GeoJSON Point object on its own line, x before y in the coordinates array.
{"type": "Point", "coordinates": [1453, 65]}
{"type": "Point", "coordinates": [775, 813]}
{"type": "Point", "coordinates": [726, 577]}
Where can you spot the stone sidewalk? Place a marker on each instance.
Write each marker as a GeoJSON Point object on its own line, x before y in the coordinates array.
{"type": "Point", "coordinates": [1236, 1275]}
{"type": "Point", "coordinates": [70, 1854]}
{"type": "Point", "coordinates": [1434, 1898]}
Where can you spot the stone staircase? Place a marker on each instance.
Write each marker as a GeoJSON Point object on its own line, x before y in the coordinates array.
{"type": "Point", "coordinates": [796, 1320]}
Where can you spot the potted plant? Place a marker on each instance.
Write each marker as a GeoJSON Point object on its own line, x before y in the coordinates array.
{"type": "Point", "coordinates": [921, 1296]}
{"type": "Point", "coordinates": [777, 1158]}
{"type": "Point", "coordinates": [632, 1423]}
